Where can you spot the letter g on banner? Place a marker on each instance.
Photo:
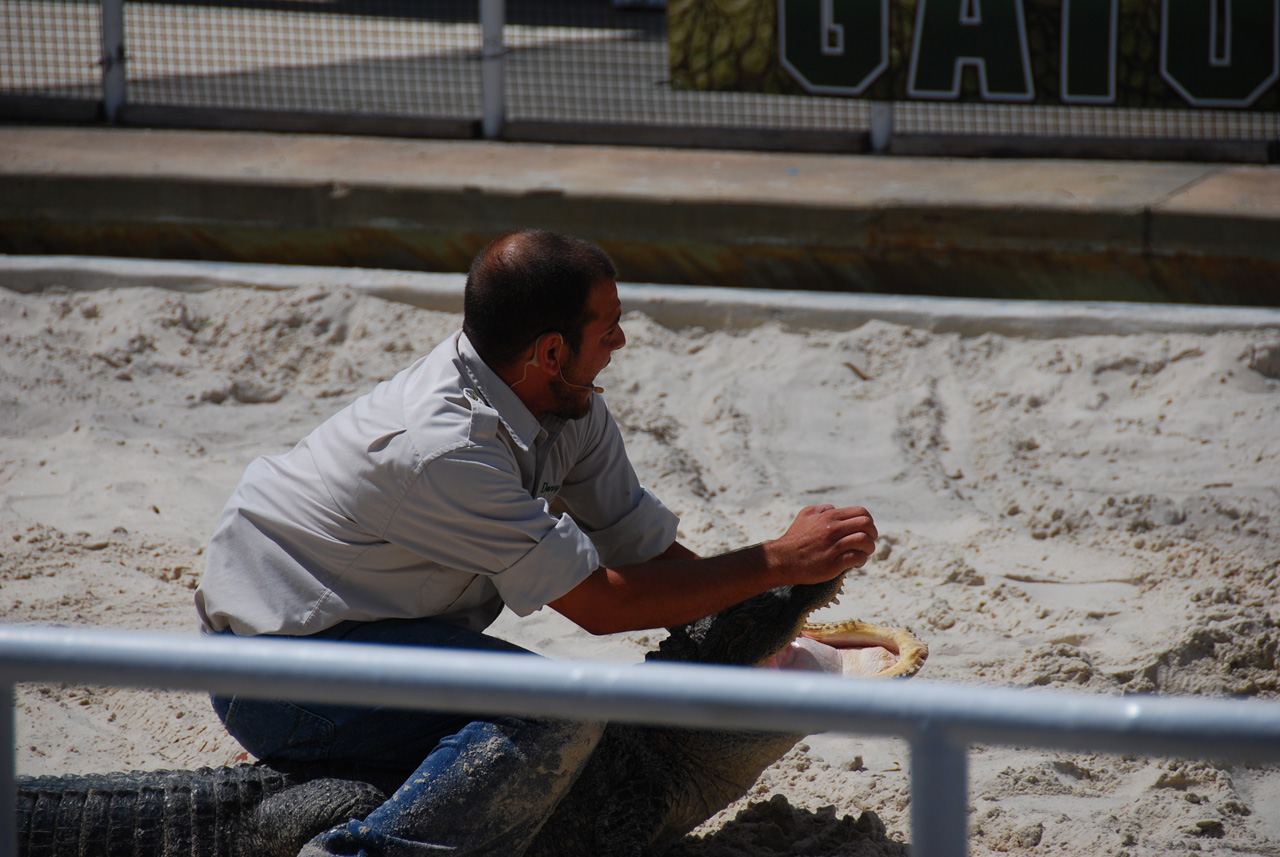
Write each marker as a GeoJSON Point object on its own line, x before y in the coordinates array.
{"type": "Point", "coordinates": [834, 47]}
{"type": "Point", "coordinates": [1220, 58]}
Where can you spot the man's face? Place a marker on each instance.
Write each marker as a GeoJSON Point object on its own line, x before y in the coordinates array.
{"type": "Point", "coordinates": [601, 336]}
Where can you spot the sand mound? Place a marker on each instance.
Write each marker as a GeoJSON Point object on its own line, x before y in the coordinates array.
{"type": "Point", "coordinates": [1093, 514]}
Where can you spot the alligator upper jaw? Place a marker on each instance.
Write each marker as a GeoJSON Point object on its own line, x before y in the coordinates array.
{"type": "Point", "coordinates": [853, 649]}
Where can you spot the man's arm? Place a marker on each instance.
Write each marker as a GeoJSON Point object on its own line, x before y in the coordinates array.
{"type": "Point", "coordinates": [676, 551]}
{"type": "Point", "coordinates": [678, 586]}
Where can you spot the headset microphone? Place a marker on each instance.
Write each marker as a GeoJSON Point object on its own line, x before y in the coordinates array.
{"type": "Point", "coordinates": [592, 387]}
{"type": "Point", "coordinates": [537, 361]}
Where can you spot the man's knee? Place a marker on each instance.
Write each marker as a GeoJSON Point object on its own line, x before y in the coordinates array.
{"type": "Point", "coordinates": [567, 743]}
{"type": "Point", "coordinates": [579, 737]}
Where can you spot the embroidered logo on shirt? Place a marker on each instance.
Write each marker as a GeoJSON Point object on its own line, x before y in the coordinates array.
{"type": "Point", "coordinates": [549, 489]}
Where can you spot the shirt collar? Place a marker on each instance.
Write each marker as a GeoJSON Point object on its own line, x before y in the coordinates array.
{"type": "Point", "coordinates": [524, 427]}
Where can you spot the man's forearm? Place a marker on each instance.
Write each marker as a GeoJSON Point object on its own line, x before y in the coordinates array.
{"type": "Point", "coordinates": [676, 551]}
{"type": "Point", "coordinates": [672, 589]}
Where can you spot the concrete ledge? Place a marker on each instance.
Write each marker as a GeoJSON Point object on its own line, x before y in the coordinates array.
{"type": "Point", "coordinates": [1043, 229]}
{"type": "Point", "coordinates": [673, 306]}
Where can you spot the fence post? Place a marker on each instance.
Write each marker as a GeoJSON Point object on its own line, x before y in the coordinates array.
{"type": "Point", "coordinates": [113, 93]}
{"type": "Point", "coordinates": [8, 771]}
{"type": "Point", "coordinates": [939, 794]}
{"type": "Point", "coordinates": [881, 125]}
{"type": "Point", "coordinates": [492, 59]}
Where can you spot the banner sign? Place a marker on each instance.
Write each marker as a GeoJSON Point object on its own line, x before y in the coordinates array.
{"type": "Point", "coordinates": [1121, 53]}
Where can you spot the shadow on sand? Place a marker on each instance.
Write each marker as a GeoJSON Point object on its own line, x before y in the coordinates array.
{"type": "Point", "coordinates": [774, 828]}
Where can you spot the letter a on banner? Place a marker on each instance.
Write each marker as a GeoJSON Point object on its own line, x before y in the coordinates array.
{"type": "Point", "coordinates": [1220, 53]}
{"type": "Point", "coordinates": [990, 35]}
{"type": "Point", "coordinates": [834, 47]}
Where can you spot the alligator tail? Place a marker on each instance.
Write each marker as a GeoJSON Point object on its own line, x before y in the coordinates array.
{"type": "Point", "coordinates": [242, 811]}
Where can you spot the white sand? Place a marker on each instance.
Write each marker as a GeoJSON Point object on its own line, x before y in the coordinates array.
{"type": "Point", "coordinates": [1093, 514]}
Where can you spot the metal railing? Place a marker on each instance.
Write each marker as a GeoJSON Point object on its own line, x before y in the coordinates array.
{"type": "Point", "coordinates": [940, 721]}
{"type": "Point", "coordinates": [540, 70]}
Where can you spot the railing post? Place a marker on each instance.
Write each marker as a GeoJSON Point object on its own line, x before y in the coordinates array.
{"type": "Point", "coordinates": [939, 794]}
{"type": "Point", "coordinates": [881, 125]}
{"type": "Point", "coordinates": [492, 60]}
{"type": "Point", "coordinates": [113, 77]}
{"type": "Point", "coordinates": [8, 771]}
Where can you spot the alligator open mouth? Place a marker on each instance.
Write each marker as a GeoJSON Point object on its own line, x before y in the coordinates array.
{"type": "Point", "coordinates": [853, 649]}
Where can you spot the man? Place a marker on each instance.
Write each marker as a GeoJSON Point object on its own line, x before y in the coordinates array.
{"type": "Point", "coordinates": [488, 473]}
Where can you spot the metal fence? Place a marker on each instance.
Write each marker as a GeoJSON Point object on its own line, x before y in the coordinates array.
{"type": "Point", "coordinates": [547, 70]}
{"type": "Point", "coordinates": [939, 721]}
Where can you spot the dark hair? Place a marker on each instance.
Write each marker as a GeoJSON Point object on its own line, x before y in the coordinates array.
{"type": "Point", "coordinates": [527, 283]}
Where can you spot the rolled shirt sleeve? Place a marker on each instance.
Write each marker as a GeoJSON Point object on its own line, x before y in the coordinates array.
{"type": "Point", "coordinates": [493, 527]}
{"type": "Point", "coordinates": [603, 494]}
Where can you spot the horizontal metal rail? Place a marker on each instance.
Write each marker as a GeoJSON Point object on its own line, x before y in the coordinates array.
{"type": "Point", "coordinates": [939, 720]}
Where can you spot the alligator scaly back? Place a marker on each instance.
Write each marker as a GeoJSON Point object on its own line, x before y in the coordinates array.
{"type": "Point", "coordinates": [241, 811]}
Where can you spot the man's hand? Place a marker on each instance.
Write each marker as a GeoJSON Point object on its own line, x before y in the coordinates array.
{"type": "Point", "coordinates": [678, 587]}
{"type": "Point", "coordinates": [822, 542]}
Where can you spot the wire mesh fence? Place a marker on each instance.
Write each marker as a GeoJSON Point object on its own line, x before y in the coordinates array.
{"type": "Point", "coordinates": [1093, 122]}
{"type": "Point", "coordinates": [574, 69]}
{"type": "Point", "coordinates": [614, 69]}
{"type": "Point", "coordinates": [379, 56]}
{"type": "Point", "coordinates": [50, 49]}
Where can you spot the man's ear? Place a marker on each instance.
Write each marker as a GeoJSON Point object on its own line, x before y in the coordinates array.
{"type": "Point", "coordinates": [547, 352]}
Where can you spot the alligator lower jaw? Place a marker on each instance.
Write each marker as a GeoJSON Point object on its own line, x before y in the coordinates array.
{"type": "Point", "coordinates": [853, 649]}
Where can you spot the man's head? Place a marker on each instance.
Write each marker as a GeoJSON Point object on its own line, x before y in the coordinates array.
{"type": "Point", "coordinates": [528, 283]}
{"type": "Point", "coordinates": [542, 310]}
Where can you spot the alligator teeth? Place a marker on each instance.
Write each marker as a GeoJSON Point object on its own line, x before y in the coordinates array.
{"type": "Point", "coordinates": [871, 650]}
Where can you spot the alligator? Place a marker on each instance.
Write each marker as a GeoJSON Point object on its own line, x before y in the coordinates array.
{"type": "Point", "coordinates": [643, 789]}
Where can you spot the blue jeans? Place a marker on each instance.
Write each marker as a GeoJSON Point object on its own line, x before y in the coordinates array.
{"type": "Point", "coordinates": [485, 784]}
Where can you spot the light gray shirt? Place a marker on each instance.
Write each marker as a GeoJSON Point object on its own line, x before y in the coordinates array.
{"type": "Point", "coordinates": [436, 494]}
